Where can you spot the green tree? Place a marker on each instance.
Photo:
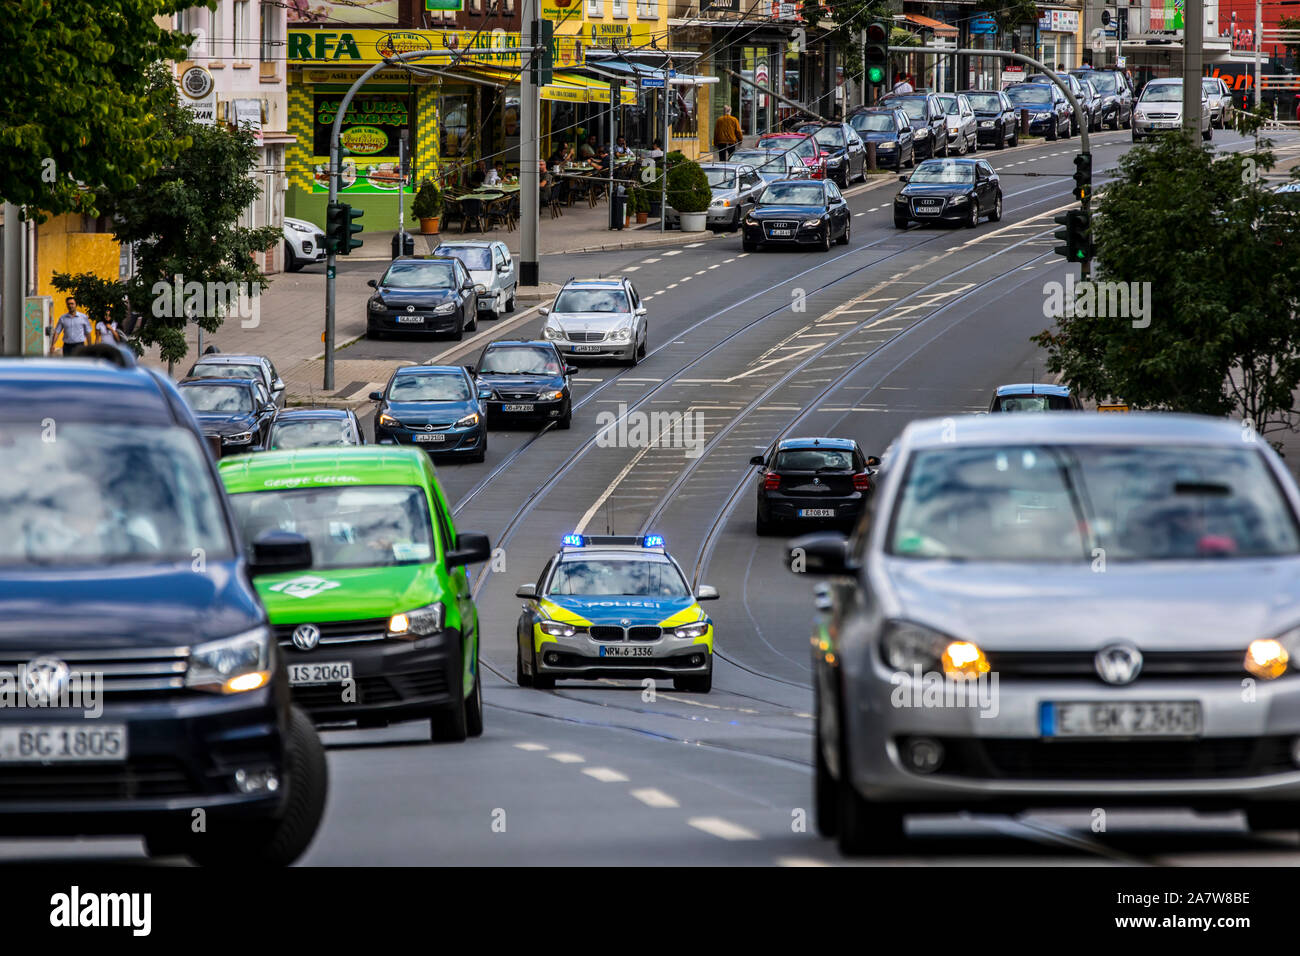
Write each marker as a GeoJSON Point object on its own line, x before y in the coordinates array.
{"type": "Point", "coordinates": [79, 114]}
{"type": "Point", "coordinates": [1221, 254]}
{"type": "Point", "coordinates": [184, 222]}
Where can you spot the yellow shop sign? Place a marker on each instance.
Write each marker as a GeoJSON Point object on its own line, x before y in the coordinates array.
{"type": "Point", "coordinates": [467, 47]}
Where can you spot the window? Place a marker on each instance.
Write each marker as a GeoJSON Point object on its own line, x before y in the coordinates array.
{"type": "Point", "coordinates": [647, 9]}
{"type": "Point", "coordinates": [267, 12]}
{"type": "Point", "coordinates": [620, 8]}
{"type": "Point", "coordinates": [594, 8]}
{"type": "Point", "coordinates": [216, 30]}
{"type": "Point", "coordinates": [239, 36]}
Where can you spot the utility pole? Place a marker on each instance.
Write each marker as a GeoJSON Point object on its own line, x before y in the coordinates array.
{"type": "Point", "coordinates": [1121, 17]}
{"type": "Point", "coordinates": [11, 329]}
{"type": "Point", "coordinates": [1193, 55]}
{"type": "Point", "coordinates": [663, 181]}
{"type": "Point", "coordinates": [529, 148]}
{"type": "Point", "coordinates": [1259, 29]}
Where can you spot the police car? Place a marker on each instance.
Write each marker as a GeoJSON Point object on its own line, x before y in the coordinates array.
{"type": "Point", "coordinates": [614, 606]}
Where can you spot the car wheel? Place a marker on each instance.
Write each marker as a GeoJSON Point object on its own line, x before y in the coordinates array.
{"type": "Point", "coordinates": [474, 706]}
{"type": "Point", "coordinates": [1054, 132]}
{"type": "Point", "coordinates": [1207, 134]}
{"type": "Point", "coordinates": [826, 239]}
{"type": "Point", "coordinates": [996, 214]}
{"type": "Point", "coordinates": [961, 145]}
{"type": "Point", "coordinates": [1128, 120]}
{"type": "Point", "coordinates": [825, 794]}
{"type": "Point", "coordinates": [1015, 140]}
{"type": "Point", "coordinates": [862, 827]}
{"type": "Point", "coordinates": [510, 304]}
{"type": "Point", "coordinates": [541, 681]}
{"type": "Point", "coordinates": [900, 223]}
{"type": "Point", "coordinates": [761, 524]}
{"type": "Point", "coordinates": [645, 345]}
{"type": "Point", "coordinates": [973, 217]}
{"type": "Point", "coordinates": [291, 261]}
{"type": "Point", "coordinates": [473, 323]}
{"type": "Point", "coordinates": [267, 842]}
{"type": "Point", "coordinates": [460, 331]}
{"type": "Point", "coordinates": [898, 164]}
{"type": "Point", "coordinates": [844, 239]}
{"type": "Point", "coordinates": [447, 724]}
{"type": "Point", "coordinates": [521, 678]}
{"type": "Point", "coordinates": [700, 684]}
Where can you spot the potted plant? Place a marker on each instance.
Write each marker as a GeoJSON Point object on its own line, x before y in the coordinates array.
{"type": "Point", "coordinates": [427, 207]}
{"type": "Point", "coordinates": [641, 205]}
{"type": "Point", "coordinates": [689, 194]}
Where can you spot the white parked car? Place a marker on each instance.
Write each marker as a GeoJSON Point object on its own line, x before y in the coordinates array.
{"type": "Point", "coordinates": [963, 129]}
{"type": "Point", "coordinates": [493, 270]}
{"type": "Point", "coordinates": [304, 244]}
{"type": "Point", "coordinates": [1160, 108]}
{"type": "Point", "coordinates": [1220, 100]}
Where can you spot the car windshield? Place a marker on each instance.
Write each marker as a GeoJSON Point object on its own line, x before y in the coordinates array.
{"type": "Point", "coordinates": [915, 109]}
{"type": "Point", "coordinates": [364, 526]}
{"type": "Point", "coordinates": [419, 275]}
{"type": "Point", "coordinates": [795, 147]}
{"type": "Point", "coordinates": [792, 194]}
{"type": "Point", "coordinates": [941, 172]}
{"type": "Point", "coordinates": [813, 459]}
{"type": "Point", "coordinates": [618, 577]}
{"type": "Point", "coordinates": [592, 300]}
{"type": "Point", "coordinates": [433, 387]}
{"type": "Point", "coordinates": [1210, 86]}
{"type": "Point", "coordinates": [1104, 82]}
{"type": "Point", "coordinates": [106, 493]}
{"type": "Point", "coordinates": [1163, 93]}
{"type": "Point", "coordinates": [203, 370]}
{"type": "Point", "coordinates": [873, 122]}
{"type": "Point", "coordinates": [987, 102]}
{"type": "Point", "coordinates": [520, 360]}
{"type": "Point", "coordinates": [949, 103]}
{"type": "Point", "coordinates": [474, 258]}
{"type": "Point", "coordinates": [218, 398]}
{"type": "Point", "coordinates": [1061, 503]}
{"type": "Point", "coordinates": [720, 178]}
{"type": "Point", "coordinates": [768, 162]}
{"type": "Point", "coordinates": [831, 136]}
{"type": "Point", "coordinates": [1033, 403]}
{"type": "Point", "coordinates": [1031, 94]}
{"type": "Point", "coordinates": [317, 433]}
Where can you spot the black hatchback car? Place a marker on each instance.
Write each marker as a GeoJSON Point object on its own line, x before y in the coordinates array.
{"type": "Point", "coordinates": [238, 411]}
{"type": "Point", "coordinates": [434, 407]}
{"type": "Point", "coordinates": [996, 120]}
{"type": "Point", "coordinates": [314, 428]}
{"type": "Point", "coordinates": [890, 130]}
{"type": "Point", "coordinates": [811, 481]}
{"type": "Point", "coordinates": [430, 294]}
{"type": "Point", "coordinates": [524, 381]}
{"type": "Point", "coordinates": [844, 155]}
{"type": "Point", "coordinates": [150, 686]}
{"type": "Point", "coordinates": [798, 212]}
{"type": "Point", "coordinates": [949, 190]}
{"type": "Point", "coordinates": [928, 118]}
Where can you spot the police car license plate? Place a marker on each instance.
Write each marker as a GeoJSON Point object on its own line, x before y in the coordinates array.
{"type": "Point", "coordinates": [816, 512]}
{"type": "Point", "coordinates": [62, 743]}
{"type": "Point", "coordinates": [429, 436]}
{"type": "Point", "coordinates": [411, 319]}
{"type": "Point", "coordinates": [516, 408]}
{"type": "Point", "coordinates": [333, 672]}
{"type": "Point", "coordinates": [625, 652]}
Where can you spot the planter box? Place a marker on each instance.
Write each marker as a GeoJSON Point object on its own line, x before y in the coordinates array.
{"type": "Point", "coordinates": [429, 227]}
{"type": "Point", "coordinates": [693, 221]}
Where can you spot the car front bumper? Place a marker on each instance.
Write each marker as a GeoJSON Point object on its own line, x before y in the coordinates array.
{"type": "Point", "coordinates": [497, 414]}
{"type": "Point", "coordinates": [597, 350]}
{"type": "Point", "coordinates": [403, 321]}
{"type": "Point", "coordinates": [581, 657]}
{"type": "Point", "coordinates": [803, 235]}
{"type": "Point", "coordinates": [439, 441]}
{"type": "Point", "coordinates": [948, 212]}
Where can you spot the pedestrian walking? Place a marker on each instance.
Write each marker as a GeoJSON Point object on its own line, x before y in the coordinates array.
{"type": "Point", "coordinates": [727, 134]}
{"type": "Point", "coordinates": [75, 326]}
{"type": "Point", "coordinates": [901, 85]}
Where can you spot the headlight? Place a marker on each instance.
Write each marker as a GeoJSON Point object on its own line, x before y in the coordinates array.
{"type": "Point", "coordinates": [621, 335]}
{"type": "Point", "coordinates": [468, 420]}
{"type": "Point", "coordinates": [751, 221]}
{"type": "Point", "coordinates": [834, 160]}
{"type": "Point", "coordinates": [907, 646]}
{"type": "Point", "coordinates": [953, 128]}
{"type": "Point", "coordinates": [481, 289]}
{"type": "Point", "coordinates": [552, 333]}
{"type": "Point", "coordinates": [445, 309]}
{"type": "Point", "coordinates": [957, 199]}
{"type": "Point", "coordinates": [1269, 658]}
{"type": "Point", "coordinates": [376, 305]}
{"type": "Point", "coordinates": [812, 222]}
{"type": "Point", "coordinates": [553, 395]}
{"type": "Point", "coordinates": [421, 622]}
{"type": "Point", "coordinates": [986, 124]}
{"type": "Point", "coordinates": [387, 419]}
{"type": "Point", "coordinates": [691, 630]}
{"type": "Point", "coordinates": [243, 438]}
{"type": "Point", "coordinates": [300, 228]}
{"type": "Point", "coordinates": [1139, 115]}
{"type": "Point", "coordinates": [231, 665]}
{"type": "Point", "coordinates": [923, 132]}
{"type": "Point", "coordinates": [559, 628]}
{"type": "Point", "coordinates": [721, 203]}
{"type": "Point", "coordinates": [1042, 116]}
{"type": "Point", "coordinates": [889, 144]}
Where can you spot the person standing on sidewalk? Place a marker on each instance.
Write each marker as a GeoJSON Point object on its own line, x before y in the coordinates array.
{"type": "Point", "coordinates": [727, 134]}
{"type": "Point", "coordinates": [75, 327]}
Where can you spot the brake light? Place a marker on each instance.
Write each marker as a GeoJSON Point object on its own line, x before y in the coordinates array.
{"type": "Point", "coordinates": [771, 481]}
{"type": "Point", "coordinates": [862, 482]}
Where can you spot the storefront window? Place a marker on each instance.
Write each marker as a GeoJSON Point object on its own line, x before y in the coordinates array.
{"type": "Point", "coordinates": [454, 111]}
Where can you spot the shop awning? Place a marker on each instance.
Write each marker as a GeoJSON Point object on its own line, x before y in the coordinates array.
{"type": "Point", "coordinates": [567, 87]}
{"type": "Point", "coordinates": [595, 90]}
{"type": "Point", "coordinates": [938, 26]}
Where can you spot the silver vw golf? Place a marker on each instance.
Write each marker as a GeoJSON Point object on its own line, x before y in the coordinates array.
{"type": "Point", "coordinates": [1060, 609]}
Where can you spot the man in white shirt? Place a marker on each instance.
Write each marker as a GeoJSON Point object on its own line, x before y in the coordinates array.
{"type": "Point", "coordinates": [901, 85]}
{"type": "Point", "coordinates": [75, 326]}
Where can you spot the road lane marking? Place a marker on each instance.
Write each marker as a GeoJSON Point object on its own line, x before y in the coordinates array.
{"type": "Point", "coordinates": [724, 829]}
{"type": "Point", "coordinates": [799, 861]}
{"type": "Point", "coordinates": [605, 775]}
{"type": "Point", "coordinates": [528, 746]}
{"type": "Point", "coordinates": [567, 758]}
{"type": "Point", "coordinates": [654, 798]}
{"type": "Point", "coordinates": [675, 252]}
{"type": "Point", "coordinates": [630, 268]}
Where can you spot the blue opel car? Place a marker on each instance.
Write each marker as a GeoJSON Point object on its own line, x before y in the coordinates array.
{"type": "Point", "coordinates": [149, 683]}
{"type": "Point", "coordinates": [435, 407]}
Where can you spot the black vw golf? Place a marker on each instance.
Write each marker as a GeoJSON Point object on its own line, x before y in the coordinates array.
{"type": "Point", "coordinates": [431, 294]}
{"type": "Point", "coordinates": [523, 381]}
{"type": "Point", "coordinates": [952, 190]}
{"type": "Point", "coordinates": [798, 212]}
{"type": "Point", "coordinates": [996, 120]}
{"type": "Point", "coordinates": [810, 481]}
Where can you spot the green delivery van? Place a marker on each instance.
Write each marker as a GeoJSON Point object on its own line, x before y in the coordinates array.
{"type": "Point", "coordinates": [381, 628]}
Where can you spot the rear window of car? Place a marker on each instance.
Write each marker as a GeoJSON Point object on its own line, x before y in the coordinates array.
{"type": "Point", "coordinates": [214, 370]}
{"type": "Point", "coordinates": [1033, 403]}
{"type": "Point", "coordinates": [813, 459]}
{"type": "Point", "coordinates": [310, 433]}
{"type": "Point", "coordinates": [474, 258]}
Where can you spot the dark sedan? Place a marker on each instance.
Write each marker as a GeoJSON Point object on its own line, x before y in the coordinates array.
{"type": "Point", "coordinates": [1116, 96]}
{"type": "Point", "coordinates": [431, 294]}
{"type": "Point", "coordinates": [890, 130]}
{"type": "Point", "coordinates": [435, 407]}
{"type": "Point", "coordinates": [929, 121]}
{"type": "Point", "coordinates": [951, 190]}
{"type": "Point", "coordinates": [996, 120]}
{"type": "Point", "coordinates": [314, 428]}
{"type": "Point", "coordinates": [523, 381]}
{"type": "Point", "coordinates": [798, 213]}
{"type": "Point", "coordinates": [842, 149]}
{"type": "Point", "coordinates": [1076, 87]}
{"type": "Point", "coordinates": [238, 411]}
{"type": "Point", "coordinates": [810, 481]}
{"type": "Point", "coordinates": [1049, 111]}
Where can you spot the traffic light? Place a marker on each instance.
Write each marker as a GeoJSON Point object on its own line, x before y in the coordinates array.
{"type": "Point", "coordinates": [1078, 244]}
{"type": "Point", "coordinates": [340, 226]}
{"type": "Point", "coordinates": [875, 55]}
{"type": "Point", "coordinates": [1083, 177]}
{"type": "Point", "coordinates": [542, 34]}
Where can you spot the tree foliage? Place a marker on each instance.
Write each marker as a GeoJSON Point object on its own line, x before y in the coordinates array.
{"type": "Point", "coordinates": [79, 115]}
{"type": "Point", "coordinates": [1221, 253]}
{"type": "Point", "coordinates": [184, 222]}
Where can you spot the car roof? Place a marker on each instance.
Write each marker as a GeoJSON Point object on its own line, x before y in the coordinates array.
{"type": "Point", "coordinates": [467, 243]}
{"type": "Point", "coordinates": [1035, 388]}
{"type": "Point", "coordinates": [843, 444]}
{"type": "Point", "coordinates": [82, 390]}
{"type": "Point", "coordinates": [783, 136]}
{"type": "Point", "coordinates": [613, 550]}
{"type": "Point", "coordinates": [308, 414]}
{"type": "Point", "coordinates": [595, 283]}
{"type": "Point", "coordinates": [325, 468]}
{"type": "Point", "coordinates": [200, 380]}
{"type": "Point", "coordinates": [536, 343]}
{"type": "Point", "coordinates": [429, 258]}
{"type": "Point", "coordinates": [1064, 427]}
{"type": "Point", "coordinates": [731, 166]}
{"type": "Point", "coordinates": [954, 160]}
{"type": "Point", "coordinates": [224, 358]}
{"type": "Point", "coordinates": [429, 370]}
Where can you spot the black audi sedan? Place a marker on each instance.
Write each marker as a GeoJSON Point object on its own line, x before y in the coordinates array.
{"type": "Point", "coordinates": [950, 190]}
{"type": "Point", "coordinates": [811, 481]}
{"type": "Point", "coordinates": [524, 381]}
{"type": "Point", "coordinates": [435, 407]}
{"type": "Point", "coordinates": [996, 120]}
{"type": "Point", "coordinates": [430, 294]}
{"type": "Point", "coordinates": [798, 212]}
{"type": "Point", "coordinates": [1049, 111]}
{"type": "Point", "coordinates": [239, 411]}
{"type": "Point", "coordinates": [314, 428]}
{"type": "Point", "coordinates": [892, 133]}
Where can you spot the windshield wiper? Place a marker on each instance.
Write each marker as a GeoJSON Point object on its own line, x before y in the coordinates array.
{"type": "Point", "coordinates": [1076, 500]}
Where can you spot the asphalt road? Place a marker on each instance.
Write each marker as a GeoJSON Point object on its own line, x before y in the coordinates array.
{"type": "Point", "coordinates": [855, 343]}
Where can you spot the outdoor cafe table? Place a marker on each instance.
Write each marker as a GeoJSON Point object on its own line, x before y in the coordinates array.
{"type": "Point", "coordinates": [488, 197]}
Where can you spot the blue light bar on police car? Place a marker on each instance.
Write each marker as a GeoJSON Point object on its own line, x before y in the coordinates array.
{"type": "Point", "coordinates": [572, 541]}
{"type": "Point", "coordinates": [653, 541]}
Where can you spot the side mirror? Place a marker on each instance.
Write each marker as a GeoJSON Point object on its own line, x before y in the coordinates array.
{"type": "Point", "coordinates": [544, 311]}
{"type": "Point", "coordinates": [376, 396]}
{"type": "Point", "coordinates": [503, 268]}
{"type": "Point", "coordinates": [570, 370]}
{"type": "Point", "coordinates": [872, 461]}
{"type": "Point", "coordinates": [902, 179]}
{"type": "Point", "coordinates": [824, 552]}
{"type": "Point", "coordinates": [372, 283]}
{"type": "Point", "coordinates": [641, 310]}
{"type": "Point", "coordinates": [471, 548]}
{"type": "Point", "coordinates": [528, 591]}
{"type": "Point", "coordinates": [706, 592]}
{"type": "Point", "coordinates": [757, 460]}
{"type": "Point", "coordinates": [273, 552]}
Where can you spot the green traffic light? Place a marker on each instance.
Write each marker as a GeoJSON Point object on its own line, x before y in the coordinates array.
{"type": "Point", "coordinates": [876, 74]}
